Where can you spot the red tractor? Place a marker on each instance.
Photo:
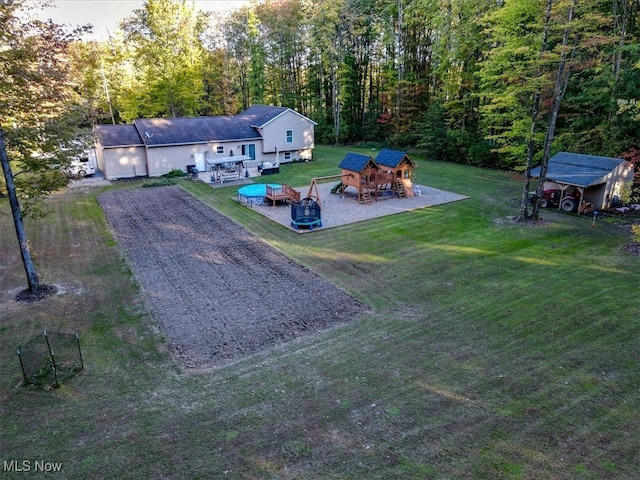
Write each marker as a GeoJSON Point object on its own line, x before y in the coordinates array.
{"type": "Point", "coordinates": [550, 198]}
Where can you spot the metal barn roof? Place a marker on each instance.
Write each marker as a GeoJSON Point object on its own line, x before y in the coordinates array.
{"type": "Point", "coordinates": [578, 169]}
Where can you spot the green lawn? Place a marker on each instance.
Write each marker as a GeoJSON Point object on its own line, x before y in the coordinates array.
{"type": "Point", "coordinates": [493, 350]}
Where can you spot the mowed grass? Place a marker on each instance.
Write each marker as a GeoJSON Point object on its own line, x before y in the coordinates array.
{"type": "Point", "coordinates": [493, 350]}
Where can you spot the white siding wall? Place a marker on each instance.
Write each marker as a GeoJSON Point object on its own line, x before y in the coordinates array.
{"type": "Point", "coordinates": [125, 162]}
{"type": "Point", "coordinates": [164, 159]}
{"type": "Point", "coordinates": [275, 137]}
{"type": "Point", "coordinates": [235, 147]}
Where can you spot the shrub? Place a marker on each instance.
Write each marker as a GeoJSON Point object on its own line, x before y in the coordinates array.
{"type": "Point", "coordinates": [175, 173]}
{"type": "Point", "coordinates": [165, 182]}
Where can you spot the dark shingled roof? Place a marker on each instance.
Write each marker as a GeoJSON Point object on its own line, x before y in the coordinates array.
{"type": "Point", "coordinates": [188, 130]}
{"type": "Point", "coordinates": [112, 136]}
{"type": "Point", "coordinates": [155, 132]}
{"type": "Point", "coordinates": [579, 170]}
{"type": "Point", "coordinates": [391, 158]}
{"type": "Point", "coordinates": [258, 115]}
{"type": "Point", "coordinates": [356, 162]}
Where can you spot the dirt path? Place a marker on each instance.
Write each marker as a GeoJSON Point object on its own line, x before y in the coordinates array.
{"type": "Point", "coordinates": [218, 292]}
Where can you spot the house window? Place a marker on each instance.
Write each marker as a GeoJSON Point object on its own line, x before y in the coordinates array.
{"type": "Point", "coordinates": [287, 156]}
{"type": "Point", "coordinates": [289, 136]}
{"type": "Point", "coordinates": [220, 149]}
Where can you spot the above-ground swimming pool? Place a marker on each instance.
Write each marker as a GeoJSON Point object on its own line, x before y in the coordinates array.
{"type": "Point", "coordinates": [254, 194]}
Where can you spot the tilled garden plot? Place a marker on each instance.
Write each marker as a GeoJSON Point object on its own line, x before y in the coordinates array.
{"type": "Point", "coordinates": [218, 292]}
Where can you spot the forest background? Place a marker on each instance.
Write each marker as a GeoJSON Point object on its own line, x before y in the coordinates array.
{"type": "Point", "coordinates": [456, 79]}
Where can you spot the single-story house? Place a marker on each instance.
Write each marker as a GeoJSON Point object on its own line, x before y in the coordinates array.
{"type": "Point", "coordinates": [155, 146]}
{"type": "Point", "coordinates": [587, 178]}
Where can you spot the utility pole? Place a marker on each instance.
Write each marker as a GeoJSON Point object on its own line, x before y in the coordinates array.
{"type": "Point", "coordinates": [27, 260]}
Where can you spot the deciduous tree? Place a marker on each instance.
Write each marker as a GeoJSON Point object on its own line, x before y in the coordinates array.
{"type": "Point", "coordinates": [168, 53]}
{"type": "Point", "coordinates": [37, 114]}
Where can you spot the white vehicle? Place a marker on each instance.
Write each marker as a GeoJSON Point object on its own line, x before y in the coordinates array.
{"type": "Point", "coordinates": [80, 167]}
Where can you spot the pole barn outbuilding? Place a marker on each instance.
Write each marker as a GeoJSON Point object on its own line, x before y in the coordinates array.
{"type": "Point", "coordinates": [587, 178]}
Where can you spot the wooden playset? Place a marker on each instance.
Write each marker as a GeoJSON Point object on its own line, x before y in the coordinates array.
{"type": "Point", "coordinates": [389, 175]}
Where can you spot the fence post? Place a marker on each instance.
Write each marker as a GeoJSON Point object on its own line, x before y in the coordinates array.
{"type": "Point", "coordinates": [53, 360]}
{"type": "Point", "coordinates": [24, 375]}
{"type": "Point", "coordinates": [79, 351]}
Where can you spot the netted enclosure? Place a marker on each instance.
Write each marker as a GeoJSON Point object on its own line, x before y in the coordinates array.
{"type": "Point", "coordinates": [306, 213]}
{"type": "Point", "coordinates": [50, 358]}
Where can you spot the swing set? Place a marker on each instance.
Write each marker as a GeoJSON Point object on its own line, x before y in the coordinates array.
{"type": "Point", "coordinates": [313, 192]}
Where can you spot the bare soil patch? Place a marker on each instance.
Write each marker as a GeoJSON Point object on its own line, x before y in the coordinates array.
{"type": "Point", "coordinates": [41, 292]}
{"type": "Point", "coordinates": [218, 292]}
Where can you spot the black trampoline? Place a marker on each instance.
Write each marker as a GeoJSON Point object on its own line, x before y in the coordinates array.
{"type": "Point", "coordinates": [305, 214]}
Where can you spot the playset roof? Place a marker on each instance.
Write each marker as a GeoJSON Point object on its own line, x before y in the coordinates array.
{"type": "Point", "coordinates": [356, 162]}
{"type": "Point", "coordinates": [392, 158]}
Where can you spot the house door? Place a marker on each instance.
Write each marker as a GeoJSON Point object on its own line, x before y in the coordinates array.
{"type": "Point", "coordinates": [250, 150]}
{"type": "Point", "coordinates": [199, 158]}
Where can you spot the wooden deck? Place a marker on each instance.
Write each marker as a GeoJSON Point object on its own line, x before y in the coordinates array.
{"type": "Point", "coordinates": [284, 192]}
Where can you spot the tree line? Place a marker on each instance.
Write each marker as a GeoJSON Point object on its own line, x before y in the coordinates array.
{"type": "Point", "coordinates": [458, 79]}
{"type": "Point", "coordinates": [469, 81]}
{"type": "Point", "coordinates": [455, 78]}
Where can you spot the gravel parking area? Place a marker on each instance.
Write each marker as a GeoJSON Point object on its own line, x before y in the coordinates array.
{"type": "Point", "coordinates": [342, 210]}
